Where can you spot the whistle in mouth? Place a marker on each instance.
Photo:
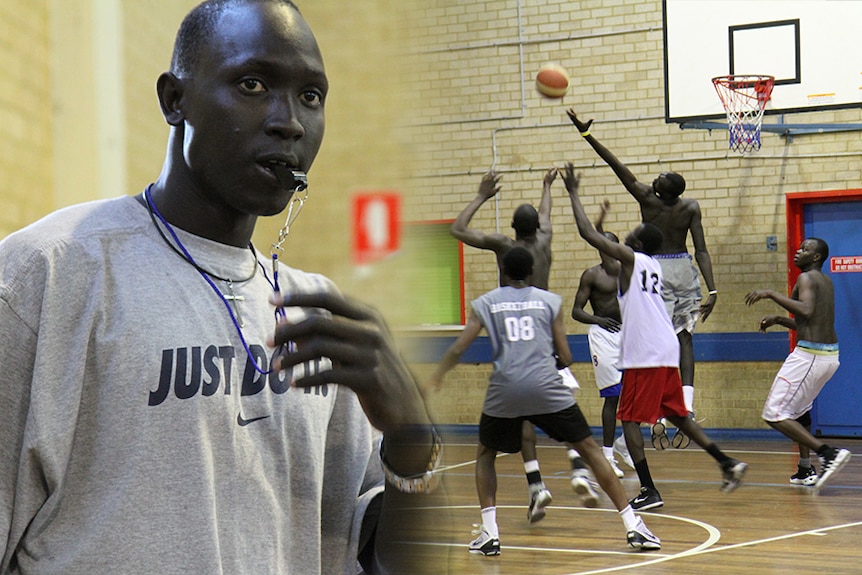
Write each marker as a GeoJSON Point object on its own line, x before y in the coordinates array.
{"type": "Point", "coordinates": [291, 179]}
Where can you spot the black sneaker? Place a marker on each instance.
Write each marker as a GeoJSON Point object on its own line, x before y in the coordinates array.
{"type": "Point", "coordinates": [804, 476]}
{"type": "Point", "coordinates": [732, 472]}
{"type": "Point", "coordinates": [647, 499]}
{"type": "Point", "coordinates": [834, 460]}
{"type": "Point", "coordinates": [484, 544]}
{"type": "Point", "coordinates": [642, 538]}
{"type": "Point", "coordinates": [659, 439]}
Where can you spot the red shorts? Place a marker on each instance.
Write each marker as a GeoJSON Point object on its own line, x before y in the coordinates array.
{"type": "Point", "coordinates": [650, 393]}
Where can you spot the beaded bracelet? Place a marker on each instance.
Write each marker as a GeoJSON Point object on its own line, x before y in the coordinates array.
{"type": "Point", "coordinates": [421, 482]}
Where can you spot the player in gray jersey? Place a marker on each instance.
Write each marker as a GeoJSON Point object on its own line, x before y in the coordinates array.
{"type": "Point", "coordinates": [528, 338]}
{"type": "Point", "coordinates": [533, 232]}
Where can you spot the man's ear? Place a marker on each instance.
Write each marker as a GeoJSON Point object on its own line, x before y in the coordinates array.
{"type": "Point", "coordinates": [170, 92]}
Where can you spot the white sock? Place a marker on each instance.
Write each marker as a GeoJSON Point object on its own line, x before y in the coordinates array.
{"type": "Point", "coordinates": [489, 520]}
{"type": "Point", "coordinates": [608, 452]}
{"type": "Point", "coordinates": [688, 397]}
{"type": "Point", "coordinates": [630, 520]}
{"type": "Point", "coordinates": [573, 454]}
{"type": "Point", "coordinates": [532, 465]}
{"type": "Point", "coordinates": [805, 462]}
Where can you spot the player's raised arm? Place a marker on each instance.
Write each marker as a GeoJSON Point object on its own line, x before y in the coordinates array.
{"type": "Point", "coordinates": [461, 230]}
{"type": "Point", "coordinates": [593, 237]}
{"type": "Point", "coordinates": [545, 202]}
{"type": "Point", "coordinates": [640, 191]}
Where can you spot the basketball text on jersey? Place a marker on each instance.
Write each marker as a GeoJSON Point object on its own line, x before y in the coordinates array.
{"type": "Point", "coordinates": [517, 306]}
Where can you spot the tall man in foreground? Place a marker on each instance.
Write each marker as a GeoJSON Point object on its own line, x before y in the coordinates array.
{"type": "Point", "coordinates": [156, 417]}
{"type": "Point", "coordinates": [528, 337]}
{"type": "Point", "coordinates": [649, 350]}
{"type": "Point", "coordinates": [661, 204]}
{"type": "Point", "coordinates": [810, 365]}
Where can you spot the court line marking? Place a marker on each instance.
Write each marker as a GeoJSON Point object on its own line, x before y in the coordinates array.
{"type": "Point", "coordinates": [707, 546]}
{"type": "Point", "coordinates": [651, 557]}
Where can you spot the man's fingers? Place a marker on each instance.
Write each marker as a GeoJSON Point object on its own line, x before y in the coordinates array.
{"type": "Point", "coordinates": [335, 303]}
{"type": "Point", "coordinates": [340, 352]}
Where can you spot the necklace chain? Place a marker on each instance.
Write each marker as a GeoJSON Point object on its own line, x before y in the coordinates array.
{"type": "Point", "coordinates": [181, 250]}
{"type": "Point", "coordinates": [227, 300]}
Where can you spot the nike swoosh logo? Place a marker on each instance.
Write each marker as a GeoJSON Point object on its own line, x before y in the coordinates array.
{"type": "Point", "coordinates": [243, 422]}
{"type": "Point", "coordinates": [636, 500]}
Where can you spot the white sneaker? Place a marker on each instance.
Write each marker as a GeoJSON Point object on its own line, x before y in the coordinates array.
{"type": "Point", "coordinates": [484, 544]}
{"type": "Point", "coordinates": [617, 471]}
{"type": "Point", "coordinates": [642, 538]}
{"type": "Point", "coordinates": [583, 485]}
{"type": "Point", "coordinates": [538, 502]}
{"type": "Point", "coordinates": [622, 451]}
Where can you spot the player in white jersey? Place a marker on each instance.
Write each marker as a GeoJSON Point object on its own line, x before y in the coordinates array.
{"type": "Point", "coordinates": [528, 337]}
{"type": "Point", "coordinates": [649, 350]}
{"type": "Point", "coordinates": [662, 204]}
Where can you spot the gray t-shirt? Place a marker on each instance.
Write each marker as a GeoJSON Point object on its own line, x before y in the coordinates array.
{"type": "Point", "coordinates": [525, 380]}
{"type": "Point", "coordinates": [137, 435]}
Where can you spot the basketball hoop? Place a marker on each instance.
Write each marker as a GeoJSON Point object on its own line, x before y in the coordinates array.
{"type": "Point", "coordinates": [744, 98]}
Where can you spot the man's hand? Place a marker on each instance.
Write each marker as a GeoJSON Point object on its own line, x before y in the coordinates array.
{"type": "Point", "coordinates": [757, 295]}
{"type": "Point", "coordinates": [430, 386]}
{"type": "Point", "coordinates": [550, 176]}
{"type": "Point", "coordinates": [581, 126]}
{"type": "Point", "coordinates": [571, 180]}
{"type": "Point", "coordinates": [489, 186]}
{"type": "Point", "coordinates": [356, 339]}
{"type": "Point", "coordinates": [605, 208]}
{"type": "Point", "coordinates": [707, 306]}
{"type": "Point", "coordinates": [609, 324]}
{"type": "Point", "coordinates": [767, 322]}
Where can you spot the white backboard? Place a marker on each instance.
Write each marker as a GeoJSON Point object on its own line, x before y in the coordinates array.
{"type": "Point", "coordinates": [812, 47]}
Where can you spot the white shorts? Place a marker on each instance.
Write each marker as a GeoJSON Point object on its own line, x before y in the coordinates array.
{"type": "Point", "coordinates": [605, 355]}
{"type": "Point", "coordinates": [569, 379]}
{"type": "Point", "coordinates": [798, 382]}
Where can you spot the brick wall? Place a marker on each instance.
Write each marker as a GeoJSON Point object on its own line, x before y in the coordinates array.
{"type": "Point", "coordinates": [25, 113]}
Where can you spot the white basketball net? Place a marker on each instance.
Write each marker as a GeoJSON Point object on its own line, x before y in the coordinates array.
{"type": "Point", "coordinates": [744, 99]}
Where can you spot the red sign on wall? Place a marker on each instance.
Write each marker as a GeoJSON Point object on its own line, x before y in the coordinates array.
{"type": "Point", "coordinates": [845, 264]}
{"type": "Point", "coordinates": [376, 225]}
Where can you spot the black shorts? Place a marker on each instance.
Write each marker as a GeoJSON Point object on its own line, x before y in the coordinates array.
{"type": "Point", "coordinates": [504, 434]}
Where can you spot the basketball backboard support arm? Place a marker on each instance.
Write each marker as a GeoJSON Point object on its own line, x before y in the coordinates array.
{"type": "Point", "coordinates": [781, 128]}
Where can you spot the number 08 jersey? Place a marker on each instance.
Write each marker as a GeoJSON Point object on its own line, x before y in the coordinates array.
{"type": "Point", "coordinates": [647, 337]}
{"type": "Point", "coordinates": [525, 380]}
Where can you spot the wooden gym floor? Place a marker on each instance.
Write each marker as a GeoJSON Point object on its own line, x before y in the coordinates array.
{"type": "Point", "coordinates": [767, 526]}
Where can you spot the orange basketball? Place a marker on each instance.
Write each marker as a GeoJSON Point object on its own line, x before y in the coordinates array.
{"type": "Point", "coordinates": [552, 81]}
